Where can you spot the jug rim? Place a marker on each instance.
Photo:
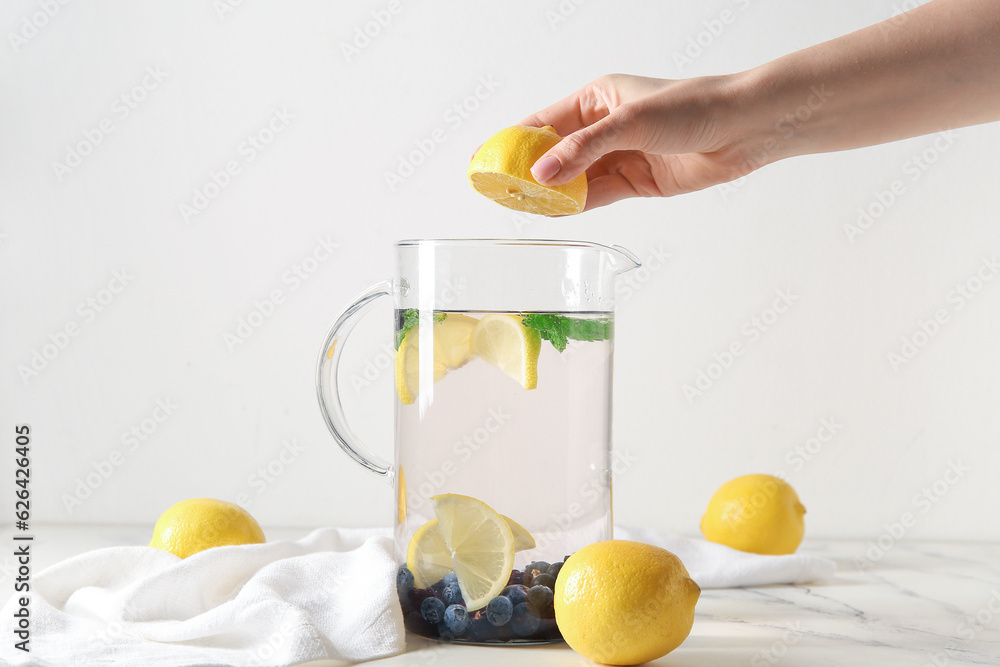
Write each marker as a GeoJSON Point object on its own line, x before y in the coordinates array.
{"type": "Point", "coordinates": [625, 258]}
{"type": "Point", "coordinates": [498, 241]}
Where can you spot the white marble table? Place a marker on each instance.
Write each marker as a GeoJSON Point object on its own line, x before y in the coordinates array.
{"type": "Point", "coordinates": [918, 604]}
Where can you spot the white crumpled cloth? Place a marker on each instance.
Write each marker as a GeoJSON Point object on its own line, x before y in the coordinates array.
{"type": "Point", "coordinates": [715, 566]}
{"type": "Point", "coordinates": [330, 595]}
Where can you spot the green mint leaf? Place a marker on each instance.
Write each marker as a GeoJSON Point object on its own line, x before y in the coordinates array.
{"type": "Point", "coordinates": [411, 317]}
{"type": "Point", "coordinates": [548, 327]}
{"type": "Point", "coordinates": [558, 328]}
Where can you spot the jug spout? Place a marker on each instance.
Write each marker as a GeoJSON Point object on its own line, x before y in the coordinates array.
{"type": "Point", "coordinates": [622, 260]}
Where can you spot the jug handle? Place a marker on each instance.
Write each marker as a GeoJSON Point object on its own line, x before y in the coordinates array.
{"type": "Point", "coordinates": [328, 391]}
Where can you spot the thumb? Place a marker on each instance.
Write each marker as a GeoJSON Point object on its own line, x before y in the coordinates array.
{"type": "Point", "coordinates": [576, 152]}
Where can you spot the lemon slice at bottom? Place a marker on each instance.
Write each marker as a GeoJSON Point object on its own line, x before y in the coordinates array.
{"type": "Point", "coordinates": [428, 557]}
{"type": "Point", "coordinates": [469, 537]}
{"type": "Point", "coordinates": [522, 538]}
{"type": "Point", "coordinates": [481, 545]}
{"type": "Point", "coordinates": [503, 341]}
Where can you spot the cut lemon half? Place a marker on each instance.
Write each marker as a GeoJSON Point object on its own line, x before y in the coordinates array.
{"type": "Point", "coordinates": [501, 170]}
{"type": "Point", "coordinates": [503, 341]}
{"type": "Point", "coordinates": [481, 545]}
{"type": "Point", "coordinates": [451, 351]}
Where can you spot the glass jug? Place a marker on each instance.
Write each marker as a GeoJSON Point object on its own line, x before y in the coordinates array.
{"type": "Point", "coordinates": [502, 425]}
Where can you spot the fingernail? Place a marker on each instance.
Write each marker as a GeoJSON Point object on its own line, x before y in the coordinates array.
{"type": "Point", "coordinates": [546, 168]}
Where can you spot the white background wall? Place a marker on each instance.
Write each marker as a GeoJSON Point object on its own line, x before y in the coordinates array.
{"type": "Point", "coordinates": [223, 77]}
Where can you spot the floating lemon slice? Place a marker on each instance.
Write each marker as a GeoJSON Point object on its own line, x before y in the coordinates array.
{"type": "Point", "coordinates": [501, 171]}
{"type": "Point", "coordinates": [451, 351]}
{"type": "Point", "coordinates": [503, 341]}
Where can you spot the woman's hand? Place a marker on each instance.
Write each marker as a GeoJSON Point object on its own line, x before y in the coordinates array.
{"type": "Point", "coordinates": [641, 137]}
{"type": "Point", "coordinates": [933, 68]}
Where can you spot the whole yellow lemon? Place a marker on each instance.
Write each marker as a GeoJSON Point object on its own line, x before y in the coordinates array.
{"type": "Point", "coordinates": [624, 603]}
{"type": "Point", "coordinates": [197, 524]}
{"type": "Point", "coordinates": [760, 514]}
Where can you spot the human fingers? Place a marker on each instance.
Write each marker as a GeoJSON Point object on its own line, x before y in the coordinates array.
{"type": "Point", "coordinates": [584, 107]}
{"type": "Point", "coordinates": [577, 152]}
{"type": "Point", "coordinates": [624, 174]}
{"type": "Point", "coordinates": [608, 189]}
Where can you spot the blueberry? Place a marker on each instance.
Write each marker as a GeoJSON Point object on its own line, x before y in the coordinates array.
{"type": "Point", "coordinates": [432, 610]}
{"type": "Point", "coordinates": [539, 565]}
{"type": "Point", "coordinates": [404, 581]}
{"type": "Point", "coordinates": [525, 620]}
{"type": "Point", "coordinates": [452, 594]}
{"type": "Point", "coordinates": [554, 569]}
{"type": "Point", "coordinates": [457, 619]}
{"type": "Point", "coordinates": [499, 610]}
{"type": "Point", "coordinates": [548, 629]}
{"type": "Point", "coordinates": [540, 597]}
{"type": "Point", "coordinates": [450, 578]}
{"type": "Point", "coordinates": [481, 629]}
{"type": "Point", "coordinates": [416, 624]}
{"type": "Point", "coordinates": [503, 632]}
{"type": "Point", "coordinates": [417, 597]}
{"type": "Point", "coordinates": [516, 593]}
{"type": "Point", "coordinates": [544, 579]}
{"type": "Point", "coordinates": [444, 632]}
{"type": "Point", "coordinates": [526, 577]}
